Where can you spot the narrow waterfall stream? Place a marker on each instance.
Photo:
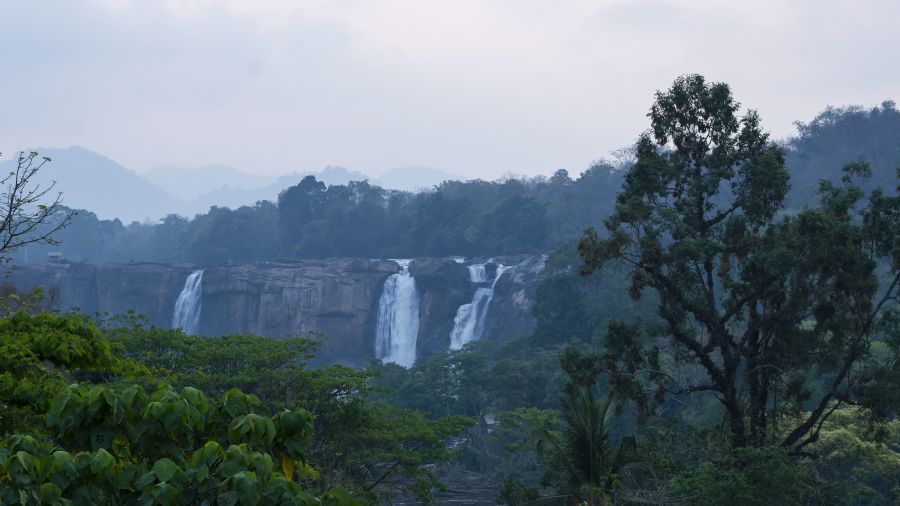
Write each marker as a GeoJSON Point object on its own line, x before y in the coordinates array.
{"type": "Point", "coordinates": [468, 325]}
{"type": "Point", "coordinates": [397, 327]}
{"type": "Point", "coordinates": [187, 308]}
{"type": "Point", "coordinates": [478, 273]}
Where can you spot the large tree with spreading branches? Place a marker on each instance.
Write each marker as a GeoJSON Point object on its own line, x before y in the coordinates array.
{"type": "Point", "coordinates": [778, 316]}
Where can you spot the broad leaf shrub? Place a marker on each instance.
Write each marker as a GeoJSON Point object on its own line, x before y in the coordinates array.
{"type": "Point", "coordinates": [120, 445]}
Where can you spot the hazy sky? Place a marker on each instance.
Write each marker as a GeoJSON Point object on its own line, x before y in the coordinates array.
{"type": "Point", "coordinates": [478, 88]}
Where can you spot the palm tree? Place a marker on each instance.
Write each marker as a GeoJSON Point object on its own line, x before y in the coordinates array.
{"type": "Point", "coordinates": [579, 457]}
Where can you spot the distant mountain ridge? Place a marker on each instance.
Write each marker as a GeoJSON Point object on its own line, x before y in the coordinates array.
{"type": "Point", "coordinates": [414, 178]}
{"type": "Point", "coordinates": [187, 183]}
{"type": "Point", "coordinates": [89, 180]}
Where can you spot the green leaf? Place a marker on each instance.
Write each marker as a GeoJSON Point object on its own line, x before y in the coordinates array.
{"type": "Point", "coordinates": [165, 469]}
{"type": "Point", "coordinates": [338, 497]}
{"type": "Point", "coordinates": [146, 480]}
{"type": "Point", "coordinates": [102, 462]}
{"type": "Point", "coordinates": [246, 484]}
{"type": "Point", "coordinates": [165, 494]}
{"type": "Point", "coordinates": [229, 498]}
{"type": "Point", "coordinates": [50, 493]}
{"type": "Point", "coordinates": [26, 460]}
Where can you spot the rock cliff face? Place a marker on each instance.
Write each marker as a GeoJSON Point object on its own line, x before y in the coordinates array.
{"type": "Point", "coordinates": [510, 315]}
{"type": "Point", "coordinates": [147, 288]}
{"type": "Point", "coordinates": [443, 286]}
{"type": "Point", "coordinates": [337, 298]}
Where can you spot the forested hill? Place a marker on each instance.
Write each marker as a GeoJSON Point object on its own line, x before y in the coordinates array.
{"type": "Point", "coordinates": [838, 136]}
{"type": "Point", "coordinates": [473, 218]}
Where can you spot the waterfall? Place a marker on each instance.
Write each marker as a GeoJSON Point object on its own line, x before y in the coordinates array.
{"type": "Point", "coordinates": [468, 325]}
{"type": "Point", "coordinates": [187, 307]}
{"type": "Point", "coordinates": [479, 328]}
{"type": "Point", "coordinates": [397, 327]}
{"type": "Point", "coordinates": [478, 273]}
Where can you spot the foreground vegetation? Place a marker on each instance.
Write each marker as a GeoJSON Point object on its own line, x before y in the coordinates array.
{"type": "Point", "coordinates": [124, 414]}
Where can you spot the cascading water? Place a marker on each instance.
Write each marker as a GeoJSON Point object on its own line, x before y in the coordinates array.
{"type": "Point", "coordinates": [478, 273]}
{"type": "Point", "coordinates": [187, 307]}
{"type": "Point", "coordinates": [468, 325]}
{"type": "Point", "coordinates": [479, 328]}
{"type": "Point", "coordinates": [397, 327]}
{"type": "Point", "coordinates": [467, 318]}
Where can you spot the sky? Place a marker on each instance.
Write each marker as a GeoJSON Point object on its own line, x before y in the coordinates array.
{"type": "Point", "coordinates": [477, 88]}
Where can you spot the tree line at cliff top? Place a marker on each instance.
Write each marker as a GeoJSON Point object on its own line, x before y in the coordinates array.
{"type": "Point", "coordinates": [471, 218]}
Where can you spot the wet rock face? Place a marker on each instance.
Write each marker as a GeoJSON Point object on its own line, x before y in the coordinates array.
{"type": "Point", "coordinates": [511, 314]}
{"type": "Point", "coordinates": [337, 298]}
{"type": "Point", "coordinates": [147, 288]}
{"type": "Point", "coordinates": [443, 286]}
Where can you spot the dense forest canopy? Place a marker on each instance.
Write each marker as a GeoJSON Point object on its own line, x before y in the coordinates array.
{"type": "Point", "coordinates": [838, 136]}
{"type": "Point", "coordinates": [467, 218]}
{"type": "Point", "coordinates": [311, 220]}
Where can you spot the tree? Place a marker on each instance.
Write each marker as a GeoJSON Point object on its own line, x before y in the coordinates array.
{"type": "Point", "coordinates": [297, 206]}
{"type": "Point", "coordinates": [580, 458]}
{"type": "Point", "coordinates": [863, 463]}
{"type": "Point", "coordinates": [560, 312]}
{"type": "Point", "coordinates": [370, 448]}
{"type": "Point", "coordinates": [836, 137]}
{"type": "Point", "coordinates": [246, 234]}
{"type": "Point", "coordinates": [117, 443]}
{"type": "Point", "coordinates": [268, 368]}
{"type": "Point", "coordinates": [779, 313]}
{"type": "Point", "coordinates": [751, 476]}
{"type": "Point", "coordinates": [39, 355]}
{"type": "Point", "coordinates": [29, 212]}
{"type": "Point", "coordinates": [514, 225]}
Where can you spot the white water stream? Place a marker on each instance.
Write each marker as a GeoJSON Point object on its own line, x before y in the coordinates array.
{"type": "Point", "coordinates": [187, 307]}
{"type": "Point", "coordinates": [469, 323]}
{"type": "Point", "coordinates": [397, 327]}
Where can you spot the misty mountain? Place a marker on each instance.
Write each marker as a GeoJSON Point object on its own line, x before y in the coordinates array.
{"type": "Point", "coordinates": [188, 183]}
{"type": "Point", "coordinates": [89, 180]}
{"type": "Point", "coordinates": [414, 178]}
